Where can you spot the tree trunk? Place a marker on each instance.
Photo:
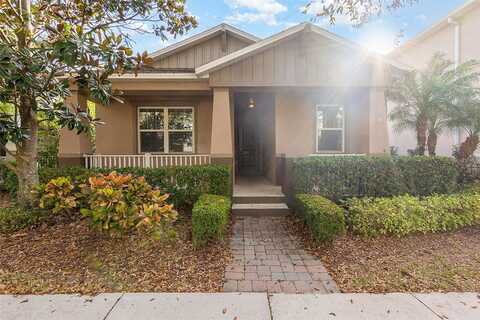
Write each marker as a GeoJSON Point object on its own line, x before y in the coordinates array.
{"type": "Point", "coordinates": [468, 147]}
{"type": "Point", "coordinates": [432, 143]}
{"type": "Point", "coordinates": [421, 136]}
{"type": "Point", "coordinates": [26, 156]}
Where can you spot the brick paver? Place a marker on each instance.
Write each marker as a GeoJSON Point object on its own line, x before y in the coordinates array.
{"type": "Point", "coordinates": [267, 258]}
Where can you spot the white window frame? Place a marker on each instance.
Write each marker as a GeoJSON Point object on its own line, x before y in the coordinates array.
{"type": "Point", "coordinates": [317, 129]}
{"type": "Point", "coordinates": [166, 130]}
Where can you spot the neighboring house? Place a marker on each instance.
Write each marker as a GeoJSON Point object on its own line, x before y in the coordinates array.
{"type": "Point", "coordinates": [225, 96]}
{"type": "Point", "coordinates": [457, 36]}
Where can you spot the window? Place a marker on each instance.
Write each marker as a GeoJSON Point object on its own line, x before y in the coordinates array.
{"type": "Point", "coordinates": [330, 128]}
{"type": "Point", "coordinates": [165, 129]}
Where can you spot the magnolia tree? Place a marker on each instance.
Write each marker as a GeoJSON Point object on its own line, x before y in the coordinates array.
{"type": "Point", "coordinates": [47, 46]}
{"type": "Point", "coordinates": [357, 12]}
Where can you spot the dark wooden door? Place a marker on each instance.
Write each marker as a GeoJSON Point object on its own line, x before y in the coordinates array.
{"type": "Point", "coordinates": [247, 143]}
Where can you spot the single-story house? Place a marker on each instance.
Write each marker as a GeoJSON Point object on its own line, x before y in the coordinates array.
{"type": "Point", "coordinates": [225, 96]}
{"type": "Point", "coordinates": [456, 36]}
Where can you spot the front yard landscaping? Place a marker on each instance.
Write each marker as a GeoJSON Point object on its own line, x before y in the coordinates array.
{"type": "Point", "coordinates": [94, 231]}
{"type": "Point", "coordinates": [412, 224]}
{"type": "Point", "coordinates": [71, 258]}
{"type": "Point", "coordinates": [445, 262]}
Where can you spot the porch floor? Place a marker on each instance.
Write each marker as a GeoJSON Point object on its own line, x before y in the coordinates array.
{"type": "Point", "coordinates": [255, 186]}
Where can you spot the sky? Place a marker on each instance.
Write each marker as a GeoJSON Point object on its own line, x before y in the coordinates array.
{"type": "Point", "coordinates": [266, 17]}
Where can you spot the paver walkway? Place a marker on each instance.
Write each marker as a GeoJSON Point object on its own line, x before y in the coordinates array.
{"type": "Point", "coordinates": [267, 258]}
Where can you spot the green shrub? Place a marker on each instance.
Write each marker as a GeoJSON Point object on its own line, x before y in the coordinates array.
{"type": "Point", "coordinates": [184, 184]}
{"type": "Point", "coordinates": [425, 176]}
{"type": "Point", "coordinates": [407, 214]}
{"type": "Point", "coordinates": [210, 217]}
{"type": "Point", "coordinates": [8, 180]}
{"type": "Point", "coordinates": [324, 218]}
{"type": "Point", "coordinates": [14, 219]}
{"type": "Point", "coordinates": [121, 203]}
{"type": "Point", "coordinates": [343, 177]}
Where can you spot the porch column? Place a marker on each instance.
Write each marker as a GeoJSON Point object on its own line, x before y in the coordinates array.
{"type": "Point", "coordinates": [72, 146]}
{"type": "Point", "coordinates": [222, 127]}
{"type": "Point", "coordinates": [378, 120]}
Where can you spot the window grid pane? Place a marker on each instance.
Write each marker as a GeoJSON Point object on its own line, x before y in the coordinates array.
{"type": "Point", "coordinates": [330, 128]}
{"type": "Point", "coordinates": [152, 119]}
{"type": "Point", "coordinates": [166, 130]}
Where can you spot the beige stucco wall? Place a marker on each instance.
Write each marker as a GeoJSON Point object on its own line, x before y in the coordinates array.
{"type": "Point", "coordinates": [72, 146]}
{"type": "Point", "coordinates": [421, 52]}
{"type": "Point", "coordinates": [296, 119]}
{"type": "Point", "coordinates": [418, 56]}
{"type": "Point", "coordinates": [119, 133]}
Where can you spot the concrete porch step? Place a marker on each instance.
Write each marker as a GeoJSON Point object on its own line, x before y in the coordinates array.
{"type": "Point", "coordinates": [264, 198]}
{"type": "Point", "coordinates": [260, 209]}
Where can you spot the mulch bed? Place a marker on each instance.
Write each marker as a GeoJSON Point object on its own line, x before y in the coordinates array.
{"type": "Point", "coordinates": [70, 258]}
{"type": "Point", "coordinates": [444, 262]}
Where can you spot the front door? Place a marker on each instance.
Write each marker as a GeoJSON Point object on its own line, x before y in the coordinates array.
{"type": "Point", "coordinates": [247, 138]}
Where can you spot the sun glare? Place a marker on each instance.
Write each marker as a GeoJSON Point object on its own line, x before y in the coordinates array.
{"type": "Point", "coordinates": [379, 41]}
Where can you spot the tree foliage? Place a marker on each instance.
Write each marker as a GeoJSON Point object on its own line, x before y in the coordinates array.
{"type": "Point", "coordinates": [358, 12]}
{"type": "Point", "coordinates": [49, 46]}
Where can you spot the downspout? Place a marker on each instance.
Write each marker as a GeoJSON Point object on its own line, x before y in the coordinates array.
{"type": "Point", "coordinates": [456, 61]}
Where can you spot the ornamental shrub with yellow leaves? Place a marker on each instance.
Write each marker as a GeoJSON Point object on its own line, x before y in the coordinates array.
{"type": "Point", "coordinates": [119, 203]}
{"type": "Point", "coordinates": [57, 195]}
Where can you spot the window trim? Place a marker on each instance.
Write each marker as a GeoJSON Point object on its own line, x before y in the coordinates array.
{"type": "Point", "coordinates": [166, 130]}
{"type": "Point", "coordinates": [341, 129]}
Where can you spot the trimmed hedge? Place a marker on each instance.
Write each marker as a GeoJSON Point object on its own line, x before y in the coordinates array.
{"type": "Point", "coordinates": [323, 217]}
{"type": "Point", "coordinates": [342, 177]}
{"type": "Point", "coordinates": [425, 176]}
{"type": "Point", "coordinates": [184, 184]}
{"type": "Point", "coordinates": [210, 217]}
{"type": "Point", "coordinates": [14, 219]}
{"type": "Point", "coordinates": [402, 215]}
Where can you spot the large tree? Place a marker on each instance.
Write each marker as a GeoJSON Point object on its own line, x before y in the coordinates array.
{"type": "Point", "coordinates": [47, 46]}
{"type": "Point", "coordinates": [421, 98]}
{"type": "Point", "coordinates": [358, 12]}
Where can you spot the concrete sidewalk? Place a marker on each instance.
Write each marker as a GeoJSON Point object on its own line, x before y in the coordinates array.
{"type": "Point", "coordinates": [241, 306]}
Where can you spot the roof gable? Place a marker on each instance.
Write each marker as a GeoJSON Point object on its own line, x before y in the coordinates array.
{"type": "Point", "coordinates": [201, 37]}
{"type": "Point", "coordinates": [281, 37]}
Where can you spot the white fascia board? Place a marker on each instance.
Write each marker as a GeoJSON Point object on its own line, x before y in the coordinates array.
{"type": "Point", "coordinates": [157, 76]}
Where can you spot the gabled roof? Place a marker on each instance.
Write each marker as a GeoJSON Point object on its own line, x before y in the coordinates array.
{"type": "Point", "coordinates": [271, 41]}
{"type": "Point", "coordinates": [205, 35]}
{"type": "Point", "coordinates": [455, 14]}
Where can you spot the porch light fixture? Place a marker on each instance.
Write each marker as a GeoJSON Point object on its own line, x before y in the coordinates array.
{"type": "Point", "coordinates": [251, 103]}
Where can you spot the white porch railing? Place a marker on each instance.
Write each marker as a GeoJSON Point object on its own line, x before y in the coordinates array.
{"type": "Point", "coordinates": [145, 160]}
